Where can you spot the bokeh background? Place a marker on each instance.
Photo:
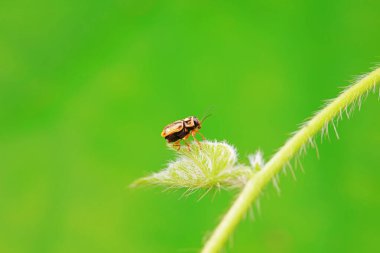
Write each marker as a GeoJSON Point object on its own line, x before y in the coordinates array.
{"type": "Point", "coordinates": [87, 86]}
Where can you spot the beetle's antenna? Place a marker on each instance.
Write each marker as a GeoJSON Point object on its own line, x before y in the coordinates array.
{"type": "Point", "coordinates": [205, 117]}
{"type": "Point", "coordinates": [206, 114]}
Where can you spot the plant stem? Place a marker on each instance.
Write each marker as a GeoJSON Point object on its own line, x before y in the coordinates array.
{"type": "Point", "coordinates": [255, 185]}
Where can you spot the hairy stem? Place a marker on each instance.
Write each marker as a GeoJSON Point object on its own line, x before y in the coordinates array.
{"type": "Point", "coordinates": [256, 184]}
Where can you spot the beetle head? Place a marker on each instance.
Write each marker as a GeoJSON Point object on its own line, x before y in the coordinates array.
{"type": "Point", "coordinates": [197, 124]}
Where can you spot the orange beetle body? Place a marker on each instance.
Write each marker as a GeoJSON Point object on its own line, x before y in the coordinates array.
{"type": "Point", "coordinates": [181, 130]}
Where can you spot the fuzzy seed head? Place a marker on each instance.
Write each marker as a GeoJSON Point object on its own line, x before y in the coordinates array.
{"type": "Point", "coordinates": [213, 164]}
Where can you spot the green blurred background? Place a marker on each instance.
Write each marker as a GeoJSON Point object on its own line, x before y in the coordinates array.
{"type": "Point", "coordinates": [87, 86]}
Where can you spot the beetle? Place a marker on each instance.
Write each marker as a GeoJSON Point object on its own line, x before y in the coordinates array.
{"type": "Point", "coordinates": [181, 130]}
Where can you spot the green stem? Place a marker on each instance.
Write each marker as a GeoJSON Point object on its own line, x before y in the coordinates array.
{"type": "Point", "coordinates": [255, 185]}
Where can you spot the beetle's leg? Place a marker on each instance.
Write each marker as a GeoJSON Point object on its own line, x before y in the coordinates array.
{"type": "Point", "coordinates": [184, 140]}
{"type": "Point", "coordinates": [177, 144]}
{"type": "Point", "coordinates": [187, 144]}
{"type": "Point", "coordinates": [201, 135]}
{"type": "Point", "coordinates": [193, 134]}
